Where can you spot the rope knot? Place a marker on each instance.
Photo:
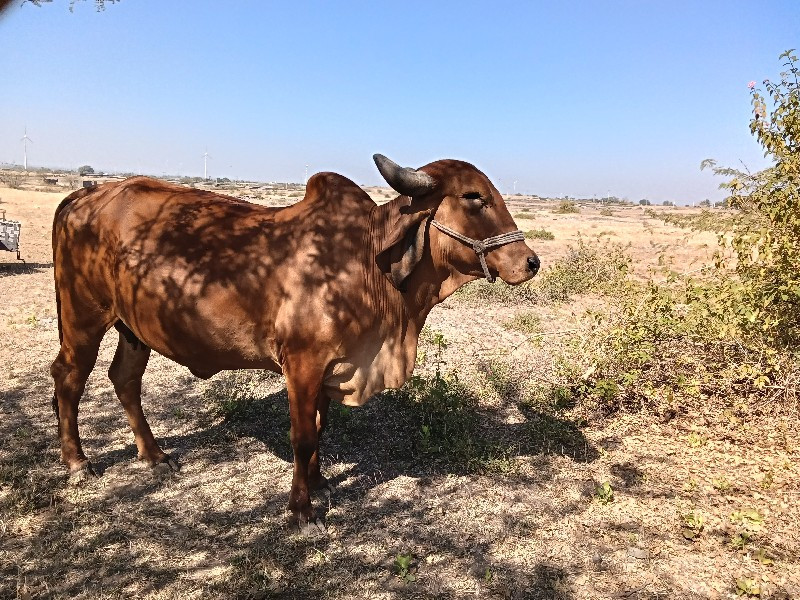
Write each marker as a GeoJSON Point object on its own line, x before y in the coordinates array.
{"type": "Point", "coordinates": [478, 246]}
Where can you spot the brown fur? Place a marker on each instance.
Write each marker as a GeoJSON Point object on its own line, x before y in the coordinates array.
{"type": "Point", "coordinates": [216, 283]}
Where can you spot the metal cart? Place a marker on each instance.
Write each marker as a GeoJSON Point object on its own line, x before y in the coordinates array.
{"type": "Point", "coordinates": [9, 234]}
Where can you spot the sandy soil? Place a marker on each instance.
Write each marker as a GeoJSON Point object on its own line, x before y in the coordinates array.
{"type": "Point", "coordinates": [528, 526]}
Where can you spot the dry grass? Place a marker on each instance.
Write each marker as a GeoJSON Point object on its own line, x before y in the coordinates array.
{"type": "Point", "coordinates": [518, 518]}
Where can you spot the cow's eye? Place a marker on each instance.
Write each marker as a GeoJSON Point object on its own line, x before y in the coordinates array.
{"type": "Point", "coordinates": [474, 200]}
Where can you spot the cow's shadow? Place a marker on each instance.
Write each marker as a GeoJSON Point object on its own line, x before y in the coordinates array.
{"type": "Point", "coordinates": [394, 435]}
{"type": "Point", "coordinates": [363, 448]}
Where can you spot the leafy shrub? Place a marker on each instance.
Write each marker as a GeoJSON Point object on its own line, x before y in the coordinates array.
{"type": "Point", "coordinates": [447, 418]}
{"type": "Point", "coordinates": [443, 404]}
{"type": "Point", "coordinates": [405, 567]}
{"type": "Point", "coordinates": [767, 240]}
{"type": "Point", "coordinates": [693, 525]}
{"type": "Point", "coordinates": [445, 411]}
{"type": "Point", "coordinates": [566, 207]}
{"type": "Point", "coordinates": [604, 493]}
{"type": "Point", "coordinates": [667, 346]}
{"type": "Point", "coordinates": [526, 322]}
{"type": "Point", "coordinates": [232, 392]}
{"type": "Point", "coordinates": [586, 267]}
{"type": "Point", "coordinates": [12, 180]}
{"type": "Point", "coordinates": [539, 234]}
{"type": "Point", "coordinates": [606, 212]}
{"type": "Point", "coordinates": [706, 220]}
{"type": "Point", "coordinates": [749, 588]}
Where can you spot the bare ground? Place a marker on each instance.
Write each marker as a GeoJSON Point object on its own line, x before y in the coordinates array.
{"type": "Point", "coordinates": [524, 525]}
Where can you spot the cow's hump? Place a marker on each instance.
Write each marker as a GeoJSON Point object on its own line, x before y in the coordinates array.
{"type": "Point", "coordinates": [337, 191]}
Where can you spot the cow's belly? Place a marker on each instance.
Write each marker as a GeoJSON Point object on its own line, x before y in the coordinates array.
{"type": "Point", "coordinates": [354, 379]}
{"type": "Point", "coordinates": [206, 331]}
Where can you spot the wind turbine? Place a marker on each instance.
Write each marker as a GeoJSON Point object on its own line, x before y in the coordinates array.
{"type": "Point", "coordinates": [25, 139]}
{"type": "Point", "coordinates": [205, 164]}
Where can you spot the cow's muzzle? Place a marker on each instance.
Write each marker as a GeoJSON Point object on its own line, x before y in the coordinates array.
{"type": "Point", "coordinates": [482, 246]}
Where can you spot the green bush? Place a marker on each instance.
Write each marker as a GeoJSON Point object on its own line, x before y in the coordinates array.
{"type": "Point", "coordinates": [12, 180]}
{"type": "Point", "coordinates": [525, 322]}
{"type": "Point", "coordinates": [767, 239]}
{"type": "Point", "coordinates": [705, 220]}
{"type": "Point", "coordinates": [678, 344]}
{"type": "Point", "coordinates": [566, 207]}
{"type": "Point", "coordinates": [586, 267]}
{"type": "Point", "coordinates": [539, 234]}
{"type": "Point", "coordinates": [232, 393]}
{"type": "Point", "coordinates": [445, 412]}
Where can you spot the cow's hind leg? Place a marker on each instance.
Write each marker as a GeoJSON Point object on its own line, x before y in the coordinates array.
{"type": "Point", "coordinates": [126, 371]}
{"type": "Point", "coordinates": [70, 370]}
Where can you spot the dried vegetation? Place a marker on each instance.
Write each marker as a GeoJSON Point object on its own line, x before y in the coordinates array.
{"type": "Point", "coordinates": [603, 431]}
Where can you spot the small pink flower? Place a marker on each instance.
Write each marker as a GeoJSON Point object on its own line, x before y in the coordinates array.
{"type": "Point", "coordinates": [751, 85]}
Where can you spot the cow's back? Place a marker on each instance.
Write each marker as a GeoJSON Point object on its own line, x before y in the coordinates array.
{"type": "Point", "coordinates": [194, 274]}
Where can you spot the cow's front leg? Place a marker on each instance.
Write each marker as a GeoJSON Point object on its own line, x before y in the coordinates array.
{"type": "Point", "coordinates": [315, 479]}
{"type": "Point", "coordinates": [304, 394]}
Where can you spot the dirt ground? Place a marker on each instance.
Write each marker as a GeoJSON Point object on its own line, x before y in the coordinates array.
{"type": "Point", "coordinates": [533, 527]}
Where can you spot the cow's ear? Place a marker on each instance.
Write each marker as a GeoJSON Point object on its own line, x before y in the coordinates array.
{"type": "Point", "coordinates": [403, 248]}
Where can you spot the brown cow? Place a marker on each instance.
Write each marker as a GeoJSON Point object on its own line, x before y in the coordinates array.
{"type": "Point", "coordinates": [332, 291]}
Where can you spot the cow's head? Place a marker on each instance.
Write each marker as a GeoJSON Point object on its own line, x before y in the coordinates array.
{"type": "Point", "coordinates": [456, 209]}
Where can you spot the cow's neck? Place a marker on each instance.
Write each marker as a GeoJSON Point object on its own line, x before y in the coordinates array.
{"type": "Point", "coordinates": [431, 282]}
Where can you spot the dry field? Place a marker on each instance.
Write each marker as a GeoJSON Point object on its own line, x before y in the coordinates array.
{"type": "Point", "coordinates": [524, 520]}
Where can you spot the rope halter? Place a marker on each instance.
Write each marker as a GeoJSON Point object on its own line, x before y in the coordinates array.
{"type": "Point", "coordinates": [482, 246]}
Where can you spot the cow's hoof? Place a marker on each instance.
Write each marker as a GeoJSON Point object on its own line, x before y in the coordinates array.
{"type": "Point", "coordinates": [308, 527]}
{"type": "Point", "coordinates": [315, 528]}
{"type": "Point", "coordinates": [81, 473]}
{"type": "Point", "coordinates": [322, 485]}
{"type": "Point", "coordinates": [166, 466]}
{"type": "Point", "coordinates": [164, 463]}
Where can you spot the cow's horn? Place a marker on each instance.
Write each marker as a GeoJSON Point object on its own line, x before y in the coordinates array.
{"type": "Point", "coordinates": [404, 180]}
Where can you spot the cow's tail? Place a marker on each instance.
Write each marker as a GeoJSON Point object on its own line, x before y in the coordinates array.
{"type": "Point", "coordinates": [60, 339]}
{"type": "Point", "coordinates": [56, 221]}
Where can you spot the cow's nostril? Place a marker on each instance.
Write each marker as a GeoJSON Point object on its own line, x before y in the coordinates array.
{"type": "Point", "coordinates": [534, 264]}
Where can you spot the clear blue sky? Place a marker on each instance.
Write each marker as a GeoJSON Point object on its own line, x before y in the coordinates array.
{"type": "Point", "coordinates": [570, 98]}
